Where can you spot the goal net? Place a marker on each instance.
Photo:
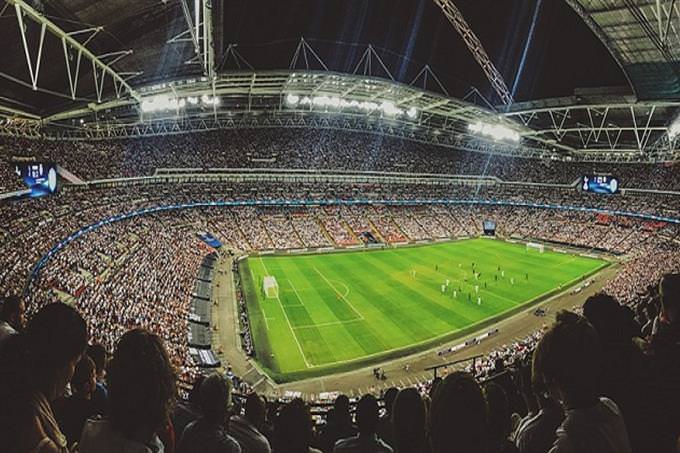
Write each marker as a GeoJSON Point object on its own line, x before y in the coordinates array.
{"type": "Point", "coordinates": [534, 246]}
{"type": "Point", "coordinates": [270, 287]}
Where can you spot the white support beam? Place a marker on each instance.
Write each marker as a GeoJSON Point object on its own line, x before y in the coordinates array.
{"type": "Point", "coordinates": [23, 9]}
{"type": "Point", "coordinates": [7, 111]}
{"type": "Point", "coordinates": [456, 18]}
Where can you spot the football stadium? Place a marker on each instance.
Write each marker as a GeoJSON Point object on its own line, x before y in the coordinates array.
{"type": "Point", "coordinates": [298, 226]}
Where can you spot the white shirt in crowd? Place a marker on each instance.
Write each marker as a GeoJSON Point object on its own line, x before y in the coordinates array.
{"type": "Point", "coordinates": [598, 429]}
{"type": "Point", "coordinates": [5, 331]}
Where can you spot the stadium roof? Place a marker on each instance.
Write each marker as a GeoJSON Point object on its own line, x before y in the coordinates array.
{"type": "Point", "coordinates": [85, 67]}
{"type": "Point", "coordinates": [644, 37]}
{"type": "Point", "coordinates": [148, 41]}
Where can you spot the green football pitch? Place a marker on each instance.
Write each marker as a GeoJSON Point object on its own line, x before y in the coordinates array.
{"type": "Point", "coordinates": [338, 311]}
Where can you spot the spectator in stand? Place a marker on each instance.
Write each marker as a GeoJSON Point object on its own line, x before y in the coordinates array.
{"type": "Point", "coordinates": [530, 400]}
{"type": "Point", "coordinates": [385, 431]}
{"type": "Point", "coordinates": [339, 424]}
{"type": "Point", "coordinates": [71, 412]}
{"type": "Point", "coordinates": [247, 429]}
{"type": "Point", "coordinates": [35, 367]}
{"type": "Point", "coordinates": [293, 429]}
{"type": "Point", "coordinates": [536, 432]}
{"type": "Point", "coordinates": [142, 391]}
{"type": "Point", "coordinates": [458, 416]}
{"type": "Point", "coordinates": [568, 362]}
{"type": "Point", "coordinates": [500, 423]}
{"type": "Point", "coordinates": [664, 356]}
{"type": "Point", "coordinates": [209, 433]}
{"type": "Point", "coordinates": [651, 312]}
{"type": "Point", "coordinates": [367, 441]}
{"type": "Point", "coordinates": [625, 369]}
{"type": "Point", "coordinates": [11, 317]}
{"type": "Point", "coordinates": [409, 421]}
{"type": "Point", "coordinates": [97, 353]}
{"type": "Point", "coordinates": [190, 410]}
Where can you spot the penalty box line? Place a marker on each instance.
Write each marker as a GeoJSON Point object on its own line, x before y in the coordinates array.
{"type": "Point", "coordinates": [290, 326]}
{"type": "Point", "coordinates": [361, 317]}
{"type": "Point", "coordinates": [326, 324]}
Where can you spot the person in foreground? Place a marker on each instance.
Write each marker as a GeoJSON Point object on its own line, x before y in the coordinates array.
{"type": "Point", "coordinates": [35, 367]}
{"type": "Point", "coordinates": [208, 434]}
{"type": "Point", "coordinates": [11, 317]}
{"type": "Point", "coordinates": [567, 362]}
{"type": "Point", "coordinates": [247, 430]}
{"type": "Point", "coordinates": [409, 421]}
{"type": "Point", "coordinates": [142, 391]}
{"type": "Point", "coordinates": [458, 416]}
{"type": "Point", "coordinates": [293, 429]}
{"type": "Point", "coordinates": [367, 440]}
{"type": "Point", "coordinates": [73, 411]}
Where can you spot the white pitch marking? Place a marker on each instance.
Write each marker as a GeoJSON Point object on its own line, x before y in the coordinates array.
{"type": "Point", "coordinates": [338, 292]}
{"type": "Point", "coordinates": [296, 293]}
{"type": "Point", "coordinates": [290, 326]}
{"type": "Point", "coordinates": [324, 324]}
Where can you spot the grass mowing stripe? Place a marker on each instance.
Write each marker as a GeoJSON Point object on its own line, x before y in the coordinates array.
{"type": "Point", "coordinates": [439, 310]}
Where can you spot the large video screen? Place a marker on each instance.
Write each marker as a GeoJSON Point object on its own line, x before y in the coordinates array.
{"type": "Point", "coordinates": [489, 227]}
{"type": "Point", "coordinates": [606, 184]}
{"type": "Point", "coordinates": [39, 177]}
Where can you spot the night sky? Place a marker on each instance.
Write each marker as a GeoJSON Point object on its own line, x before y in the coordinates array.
{"type": "Point", "coordinates": [561, 52]}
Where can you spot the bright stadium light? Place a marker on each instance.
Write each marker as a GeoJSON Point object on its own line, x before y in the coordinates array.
{"type": "Point", "coordinates": [387, 107]}
{"type": "Point", "coordinates": [674, 129]}
{"type": "Point", "coordinates": [495, 131]}
{"type": "Point", "coordinates": [207, 100]}
{"type": "Point", "coordinates": [390, 109]}
{"type": "Point", "coordinates": [159, 103]}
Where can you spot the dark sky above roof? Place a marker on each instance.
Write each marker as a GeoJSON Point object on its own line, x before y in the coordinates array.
{"type": "Point", "coordinates": [561, 52]}
{"type": "Point", "coordinates": [542, 48]}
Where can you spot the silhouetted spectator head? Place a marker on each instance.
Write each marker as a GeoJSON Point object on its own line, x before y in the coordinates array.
{"type": "Point", "coordinates": [458, 415]}
{"type": "Point", "coordinates": [567, 360]}
{"type": "Point", "coordinates": [55, 339]}
{"type": "Point", "coordinates": [368, 414]}
{"type": "Point", "coordinates": [651, 311]}
{"type": "Point", "coordinates": [341, 405]}
{"type": "Point", "coordinates": [409, 419]}
{"type": "Point", "coordinates": [499, 413]}
{"type": "Point", "coordinates": [669, 288]}
{"type": "Point", "coordinates": [433, 387]}
{"type": "Point", "coordinates": [388, 398]}
{"type": "Point", "coordinates": [84, 378]}
{"type": "Point", "coordinates": [293, 428]}
{"type": "Point", "coordinates": [12, 311]}
{"type": "Point", "coordinates": [97, 353]}
{"type": "Point", "coordinates": [215, 394]}
{"type": "Point", "coordinates": [256, 410]}
{"type": "Point", "coordinates": [141, 383]}
{"type": "Point", "coordinates": [195, 392]}
{"type": "Point", "coordinates": [605, 314]}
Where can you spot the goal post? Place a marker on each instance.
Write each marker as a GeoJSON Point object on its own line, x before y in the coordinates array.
{"type": "Point", "coordinates": [535, 246]}
{"type": "Point", "coordinates": [270, 287]}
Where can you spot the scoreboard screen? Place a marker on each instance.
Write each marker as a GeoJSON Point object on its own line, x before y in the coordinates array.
{"type": "Point", "coordinates": [40, 177]}
{"type": "Point", "coordinates": [600, 184]}
{"type": "Point", "coordinates": [489, 227]}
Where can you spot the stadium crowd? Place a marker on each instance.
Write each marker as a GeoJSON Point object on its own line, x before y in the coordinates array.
{"type": "Point", "coordinates": [103, 371]}
{"type": "Point", "coordinates": [139, 272]}
{"type": "Point", "coordinates": [591, 383]}
{"type": "Point", "coordinates": [292, 148]}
